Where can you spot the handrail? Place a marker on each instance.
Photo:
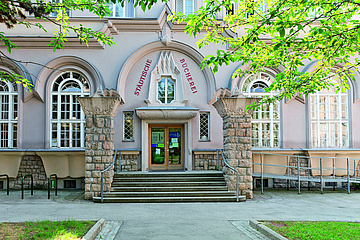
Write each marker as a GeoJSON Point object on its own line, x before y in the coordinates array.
{"type": "Point", "coordinates": [7, 182]}
{"type": "Point", "coordinates": [237, 172]}
{"type": "Point", "coordinates": [327, 165]}
{"type": "Point", "coordinates": [102, 172]}
{"type": "Point", "coordinates": [49, 184]}
{"type": "Point", "coordinates": [302, 156]}
{"type": "Point", "coordinates": [22, 185]}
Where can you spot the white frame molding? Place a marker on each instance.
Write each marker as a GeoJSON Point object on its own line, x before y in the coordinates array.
{"type": "Point", "coordinates": [339, 120]}
{"type": "Point", "coordinates": [188, 161]}
{"type": "Point", "coordinates": [59, 120]}
{"type": "Point", "coordinates": [247, 92]}
{"type": "Point", "coordinates": [10, 120]}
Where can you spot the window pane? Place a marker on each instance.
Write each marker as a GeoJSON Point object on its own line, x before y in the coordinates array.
{"type": "Point", "coordinates": [170, 90]}
{"type": "Point", "coordinates": [204, 126]}
{"type": "Point", "coordinates": [14, 137]}
{"type": "Point", "coordinates": [128, 125]}
{"type": "Point", "coordinates": [161, 90]}
{"type": "Point", "coordinates": [119, 10]}
{"type": "Point", "coordinates": [4, 128]}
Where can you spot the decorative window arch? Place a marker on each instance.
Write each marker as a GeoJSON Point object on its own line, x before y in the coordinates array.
{"type": "Point", "coordinates": [329, 119]}
{"type": "Point", "coordinates": [67, 118]}
{"type": "Point", "coordinates": [8, 115]}
{"type": "Point", "coordinates": [266, 119]}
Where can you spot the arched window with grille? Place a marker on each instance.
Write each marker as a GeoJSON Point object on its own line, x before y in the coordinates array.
{"type": "Point", "coordinates": [8, 115]}
{"type": "Point", "coordinates": [266, 119]}
{"type": "Point", "coordinates": [329, 119]}
{"type": "Point", "coordinates": [67, 118]}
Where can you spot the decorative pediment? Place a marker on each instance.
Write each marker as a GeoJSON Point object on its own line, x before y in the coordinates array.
{"type": "Point", "coordinates": [166, 70]}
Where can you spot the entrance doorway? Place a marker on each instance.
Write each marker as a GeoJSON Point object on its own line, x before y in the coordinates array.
{"type": "Point", "coordinates": [166, 147]}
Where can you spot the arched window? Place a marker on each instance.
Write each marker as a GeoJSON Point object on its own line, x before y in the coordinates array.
{"type": "Point", "coordinates": [8, 115]}
{"type": "Point", "coordinates": [329, 119]}
{"type": "Point", "coordinates": [266, 119]}
{"type": "Point", "coordinates": [165, 90]}
{"type": "Point", "coordinates": [67, 118]}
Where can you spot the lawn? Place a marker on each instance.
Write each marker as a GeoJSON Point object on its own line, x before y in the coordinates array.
{"type": "Point", "coordinates": [317, 230]}
{"type": "Point", "coordinates": [45, 230]}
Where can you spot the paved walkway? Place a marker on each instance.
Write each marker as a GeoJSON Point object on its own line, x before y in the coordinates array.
{"type": "Point", "coordinates": [184, 220]}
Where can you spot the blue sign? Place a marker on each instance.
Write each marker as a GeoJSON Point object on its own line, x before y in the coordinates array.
{"type": "Point", "coordinates": [154, 145]}
{"type": "Point", "coordinates": [174, 134]}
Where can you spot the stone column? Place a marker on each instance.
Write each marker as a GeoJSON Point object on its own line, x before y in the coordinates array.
{"type": "Point", "coordinates": [237, 141]}
{"type": "Point", "coordinates": [99, 140]}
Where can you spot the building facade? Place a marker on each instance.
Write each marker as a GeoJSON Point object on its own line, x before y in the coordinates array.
{"type": "Point", "coordinates": [166, 120]}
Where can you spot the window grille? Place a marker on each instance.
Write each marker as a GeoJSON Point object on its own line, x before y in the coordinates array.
{"type": "Point", "coordinates": [67, 118]}
{"type": "Point", "coordinates": [128, 126]}
{"type": "Point", "coordinates": [204, 126]}
{"type": "Point", "coordinates": [9, 115]}
{"type": "Point", "coordinates": [329, 117]}
{"type": "Point", "coordinates": [266, 119]}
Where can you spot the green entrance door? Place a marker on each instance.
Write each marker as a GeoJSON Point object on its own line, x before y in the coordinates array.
{"type": "Point", "coordinates": [166, 147]}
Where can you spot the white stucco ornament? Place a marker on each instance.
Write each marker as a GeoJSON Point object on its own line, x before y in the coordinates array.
{"type": "Point", "coordinates": [234, 105]}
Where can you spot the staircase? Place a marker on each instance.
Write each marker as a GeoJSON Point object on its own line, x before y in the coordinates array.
{"type": "Point", "coordinates": [166, 187]}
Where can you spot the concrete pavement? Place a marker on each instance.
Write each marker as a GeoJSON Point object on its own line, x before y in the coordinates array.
{"type": "Point", "coordinates": [184, 220]}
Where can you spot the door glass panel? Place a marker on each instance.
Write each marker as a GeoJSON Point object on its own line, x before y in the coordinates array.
{"type": "Point", "coordinates": [157, 145]}
{"type": "Point", "coordinates": [174, 146]}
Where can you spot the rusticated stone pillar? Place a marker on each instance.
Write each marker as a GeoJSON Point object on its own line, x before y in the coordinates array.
{"type": "Point", "coordinates": [99, 140]}
{"type": "Point", "coordinates": [237, 141]}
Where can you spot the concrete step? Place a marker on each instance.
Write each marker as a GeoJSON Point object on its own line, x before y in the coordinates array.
{"type": "Point", "coordinates": [167, 184]}
{"type": "Point", "coordinates": [169, 194]}
{"type": "Point", "coordinates": [169, 189]}
{"type": "Point", "coordinates": [169, 174]}
{"type": "Point", "coordinates": [170, 199]}
{"type": "Point", "coordinates": [168, 179]}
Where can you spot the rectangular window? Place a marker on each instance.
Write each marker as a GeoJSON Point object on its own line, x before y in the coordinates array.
{"type": "Point", "coordinates": [128, 126]}
{"type": "Point", "coordinates": [69, 183]}
{"type": "Point", "coordinates": [204, 126]}
{"type": "Point", "coordinates": [58, 10]}
{"type": "Point", "coordinates": [184, 6]}
{"type": "Point", "coordinates": [265, 126]}
{"type": "Point", "coordinates": [329, 120]}
{"type": "Point", "coordinates": [118, 11]}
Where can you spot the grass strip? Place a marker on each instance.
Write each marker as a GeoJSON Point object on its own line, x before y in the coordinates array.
{"type": "Point", "coordinates": [317, 230]}
{"type": "Point", "coordinates": [45, 230]}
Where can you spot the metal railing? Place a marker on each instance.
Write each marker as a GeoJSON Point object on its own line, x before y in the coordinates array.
{"type": "Point", "coordinates": [227, 165]}
{"type": "Point", "coordinates": [22, 185]}
{"type": "Point", "coordinates": [321, 177]}
{"type": "Point", "coordinates": [49, 184]}
{"type": "Point", "coordinates": [7, 183]}
{"type": "Point", "coordinates": [102, 173]}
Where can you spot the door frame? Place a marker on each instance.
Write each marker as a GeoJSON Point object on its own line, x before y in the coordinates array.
{"type": "Point", "coordinates": [167, 166]}
{"type": "Point", "coordinates": [188, 142]}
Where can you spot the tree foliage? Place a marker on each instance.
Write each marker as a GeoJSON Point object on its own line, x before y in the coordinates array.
{"type": "Point", "coordinates": [286, 35]}
{"type": "Point", "coordinates": [17, 12]}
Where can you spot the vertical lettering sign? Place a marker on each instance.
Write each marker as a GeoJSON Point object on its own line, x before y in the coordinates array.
{"type": "Point", "coordinates": [142, 78]}
{"type": "Point", "coordinates": [188, 75]}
